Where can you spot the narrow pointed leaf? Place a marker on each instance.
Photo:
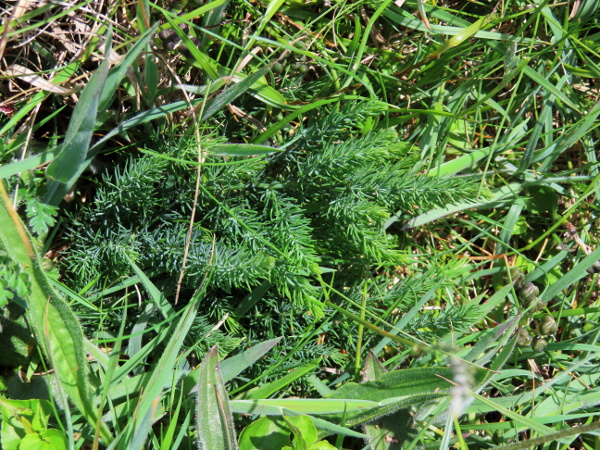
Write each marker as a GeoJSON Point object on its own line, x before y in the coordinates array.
{"type": "Point", "coordinates": [79, 134]}
{"type": "Point", "coordinates": [462, 36]}
{"type": "Point", "coordinates": [233, 366]}
{"type": "Point", "coordinates": [232, 92]}
{"type": "Point", "coordinates": [269, 389]}
{"type": "Point", "coordinates": [117, 73]}
{"type": "Point", "coordinates": [165, 368]}
{"type": "Point", "coordinates": [242, 150]}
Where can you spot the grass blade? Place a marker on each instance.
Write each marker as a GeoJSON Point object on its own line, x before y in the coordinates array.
{"type": "Point", "coordinates": [81, 127]}
{"type": "Point", "coordinates": [28, 163]}
{"type": "Point", "coordinates": [231, 93]}
{"type": "Point", "coordinates": [71, 161]}
{"type": "Point", "coordinates": [269, 389]}
{"type": "Point", "coordinates": [233, 366]}
{"type": "Point", "coordinates": [242, 150]}
{"type": "Point", "coordinates": [518, 418]}
{"type": "Point", "coordinates": [117, 73]}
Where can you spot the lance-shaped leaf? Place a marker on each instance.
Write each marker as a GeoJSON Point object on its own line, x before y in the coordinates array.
{"type": "Point", "coordinates": [54, 324]}
{"type": "Point", "coordinates": [401, 388]}
{"type": "Point", "coordinates": [116, 74]}
{"type": "Point", "coordinates": [214, 419]}
{"type": "Point", "coordinates": [388, 429]}
{"type": "Point", "coordinates": [232, 366]}
{"type": "Point", "coordinates": [79, 134]}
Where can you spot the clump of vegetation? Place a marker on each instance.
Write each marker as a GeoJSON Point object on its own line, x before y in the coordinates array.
{"type": "Point", "coordinates": [313, 206]}
{"type": "Point", "coordinates": [316, 225]}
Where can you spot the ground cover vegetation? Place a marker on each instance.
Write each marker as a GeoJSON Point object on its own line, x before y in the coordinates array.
{"type": "Point", "coordinates": [306, 225]}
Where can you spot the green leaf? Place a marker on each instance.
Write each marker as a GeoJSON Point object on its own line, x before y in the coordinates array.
{"type": "Point", "coordinates": [242, 150]}
{"type": "Point", "coordinates": [144, 117]}
{"type": "Point", "coordinates": [571, 277]}
{"type": "Point", "coordinates": [40, 215]}
{"type": "Point", "coordinates": [147, 409]}
{"type": "Point", "coordinates": [279, 407]}
{"type": "Point", "coordinates": [301, 111]}
{"type": "Point", "coordinates": [20, 417]}
{"type": "Point", "coordinates": [459, 164]}
{"type": "Point", "coordinates": [398, 383]}
{"type": "Point", "coordinates": [543, 200]}
{"type": "Point", "coordinates": [303, 429]}
{"type": "Point", "coordinates": [28, 163]}
{"type": "Point", "coordinates": [49, 439]}
{"type": "Point", "coordinates": [540, 80]}
{"type": "Point", "coordinates": [522, 421]}
{"type": "Point", "coordinates": [233, 366]}
{"type": "Point", "coordinates": [351, 411]}
{"type": "Point", "coordinates": [79, 134]}
{"type": "Point", "coordinates": [116, 74]}
{"type": "Point", "coordinates": [55, 326]}
{"type": "Point", "coordinates": [269, 389]}
{"type": "Point", "coordinates": [400, 388]}
{"type": "Point", "coordinates": [214, 419]}
{"type": "Point", "coordinates": [374, 370]}
{"type": "Point", "coordinates": [385, 429]}
{"type": "Point", "coordinates": [462, 36]}
{"type": "Point", "coordinates": [242, 84]}
{"type": "Point", "coordinates": [159, 299]}
{"type": "Point", "coordinates": [202, 60]}
{"type": "Point", "coordinates": [554, 437]}
{"type": "Point", "coordinates": [505, 193]}
{"type": "Point", "coordinates": [263, 433]}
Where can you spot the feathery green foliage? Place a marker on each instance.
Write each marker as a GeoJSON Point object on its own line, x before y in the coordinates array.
{"type": "Point", "coordinates": [315, 206]}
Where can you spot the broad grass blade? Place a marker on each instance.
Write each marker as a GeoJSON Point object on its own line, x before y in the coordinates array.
{"type": "Point", "coordinates": [28, 163]}
{"type": "Point", "coordinates": [457, 165]}
{"type": "Point", "coordinates": [381, 430]}
{"type": "Point", "coordinates": [77, 141]}
{"type": "Point", "coordinates": [399, 383]}
{"type": "Point", "coordinates": [462, 36]}
{"type": "Point", "coordinates": [54, 324]}
{"type": "Point", "coordinates": [269, 389]}
{"type": "Point", "coordinates": [214, 419]}
{"type": "Point", "coordinates": [146, 116]}
{"type": "Point", "coordinates": [279, 407]}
